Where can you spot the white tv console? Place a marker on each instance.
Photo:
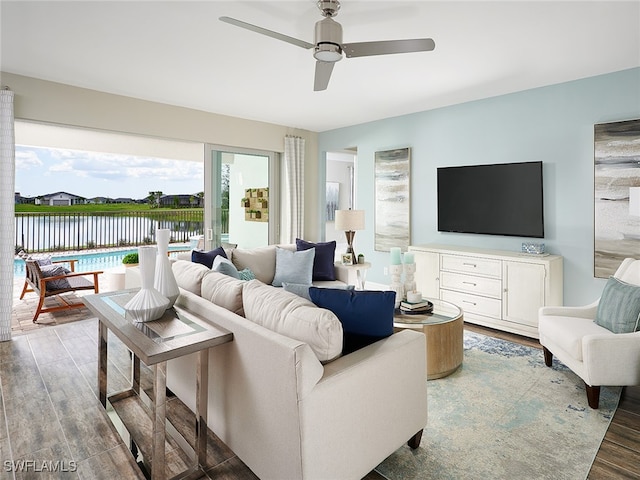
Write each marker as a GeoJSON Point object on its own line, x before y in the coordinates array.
{"type": "Point", "coordinates": [497, 289]}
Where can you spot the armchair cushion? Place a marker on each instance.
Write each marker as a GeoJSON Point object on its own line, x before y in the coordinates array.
{"type": "Point", "coordinates": [53, 270]}
{"type": "Point", "coordinates": [619, 307]}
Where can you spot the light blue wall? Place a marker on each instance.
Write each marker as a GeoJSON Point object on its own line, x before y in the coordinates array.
{"type": "Point", "coordinates": [553, 124]}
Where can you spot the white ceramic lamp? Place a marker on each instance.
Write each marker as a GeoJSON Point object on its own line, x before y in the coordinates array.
{"type": "Point", "coordinates": [349, 221]}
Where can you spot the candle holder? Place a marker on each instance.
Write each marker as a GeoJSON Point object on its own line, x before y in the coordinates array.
{"type": "Point", "coordinates": [396, 282]}
{"type": "Point", "coordinates": [409, 277]}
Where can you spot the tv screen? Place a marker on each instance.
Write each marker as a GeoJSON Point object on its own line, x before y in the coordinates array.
{"type": "Point", "coordinates": [499, 199]}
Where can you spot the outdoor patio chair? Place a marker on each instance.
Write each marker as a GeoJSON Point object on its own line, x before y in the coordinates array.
{"type": "Point", "coordinates": [54, 282]}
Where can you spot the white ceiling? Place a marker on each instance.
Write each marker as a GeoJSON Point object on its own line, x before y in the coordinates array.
{"type": "Point", "coordinates": [180, 53]}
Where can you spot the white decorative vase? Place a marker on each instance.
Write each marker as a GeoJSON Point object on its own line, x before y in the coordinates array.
{"type": "Point", "coordinates": [164, 280]}
{"type": "Point", "coordinates": [148, 304]}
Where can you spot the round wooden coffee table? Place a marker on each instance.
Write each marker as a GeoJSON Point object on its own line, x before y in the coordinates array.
{"type": "Point", "coordinates": [443, 329]}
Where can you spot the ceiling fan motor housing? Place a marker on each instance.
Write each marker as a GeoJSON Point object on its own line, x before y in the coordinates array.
{"type": "Point", "coordinates": [328, 40]}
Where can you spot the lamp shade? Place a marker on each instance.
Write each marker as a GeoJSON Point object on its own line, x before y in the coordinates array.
{"type": "Point", "coordinates": [349, 220]}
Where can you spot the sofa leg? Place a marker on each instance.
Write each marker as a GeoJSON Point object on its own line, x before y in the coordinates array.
{"type": "Point", "coordinates": [548, 357]}
{"type": "Point", "coordinates": [593, 396]}
{"type": "Point", "coordinates": [414, 442]}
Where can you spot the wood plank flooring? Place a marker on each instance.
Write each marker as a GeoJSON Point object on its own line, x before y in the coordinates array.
{"type": "Point", "coordinates": [619, 454]}
{"type": "Point", "coordinates": [49, 410]}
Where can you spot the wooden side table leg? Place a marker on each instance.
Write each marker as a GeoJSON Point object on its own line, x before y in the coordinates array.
{"type": "Point", "coordinates": [159, 417]}
{"type": "Point", "coordinates": [202, 390]}
{"type": "Point", "coordinates": [102, 363]}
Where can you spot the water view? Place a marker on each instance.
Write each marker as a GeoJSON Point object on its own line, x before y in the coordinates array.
{"type": "Point", "coordinates": [87, 262]}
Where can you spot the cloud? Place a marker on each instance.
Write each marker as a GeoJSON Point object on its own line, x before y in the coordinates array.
{"type": "Point", "coordinates": [27, 159]}
{"type": "Point", "coordinates": [108, 166]}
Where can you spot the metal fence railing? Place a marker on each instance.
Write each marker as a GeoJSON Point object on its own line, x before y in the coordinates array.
{"type": "Point", "coordinates": [41, 232]}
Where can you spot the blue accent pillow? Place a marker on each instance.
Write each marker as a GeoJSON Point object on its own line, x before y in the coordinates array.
{"type": "Point", "coordinates": [619, 307]}
{"type": "Point", "coordinates": [224, 265]}
{"type": "Point", "coordinates": [366, 315]}
{"type": "Point", "coordinates": [206, 258]}
{"type": "Point", "coordinates": [293, 267]}
{"type": "Point", "coordinates": [323, 263]}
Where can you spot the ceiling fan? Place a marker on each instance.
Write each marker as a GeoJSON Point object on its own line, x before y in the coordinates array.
{"type": "Point", "coordinates": [328, 46]}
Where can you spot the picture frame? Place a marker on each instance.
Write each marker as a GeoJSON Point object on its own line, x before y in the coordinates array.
{"type": "Point", "coordinates": [347, 259]}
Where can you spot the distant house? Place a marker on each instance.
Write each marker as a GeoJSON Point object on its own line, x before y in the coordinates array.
{"type": "Point", "coordinates": [20, 199]}
{"type": "Point", "coordinates": [98, 200]}
{"type": "Point", "coordinates": [180, 200]}
{"type": "Point", "coordinates": [123, 200]}
{"type": "Point", "coordinates": [60, 199]}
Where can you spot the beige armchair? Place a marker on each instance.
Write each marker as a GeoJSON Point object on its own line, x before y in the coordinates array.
{"type": "Point", "coordinates": [596, 354]}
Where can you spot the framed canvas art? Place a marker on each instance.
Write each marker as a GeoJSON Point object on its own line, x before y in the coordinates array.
{"type": "Point", "coordinates": [616, 194]}
{"type": "Point", "coordinates": [392, 199]}
{"type": "Point", "coordinates": [332, 199]}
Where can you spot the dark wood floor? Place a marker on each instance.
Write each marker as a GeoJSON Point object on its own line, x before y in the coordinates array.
{"type": "Point", "coordinates": [619, 454]}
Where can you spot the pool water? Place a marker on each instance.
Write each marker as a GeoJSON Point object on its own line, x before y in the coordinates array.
{"type": "Point", "coordinates": [88, 262]}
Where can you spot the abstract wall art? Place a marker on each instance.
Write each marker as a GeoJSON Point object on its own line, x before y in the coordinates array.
{"type": "Point", "coordinates": [616, 194]}
{"type": "Point", "coordinates": [392, 199]}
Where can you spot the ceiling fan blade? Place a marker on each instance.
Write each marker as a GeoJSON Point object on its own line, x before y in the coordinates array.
{"type": "Point", "coordinates": [386, 47]}
{"type": "Point", "coordinates": [268, 33]}
{"type": "Point", "coordinates": [323, 74]}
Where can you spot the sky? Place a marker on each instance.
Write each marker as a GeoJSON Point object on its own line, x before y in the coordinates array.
{"type": "Point", "coordinates": [40, 171]}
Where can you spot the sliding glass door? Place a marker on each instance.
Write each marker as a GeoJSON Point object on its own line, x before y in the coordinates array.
{"type": "Point", "coordinates": [241, 197]}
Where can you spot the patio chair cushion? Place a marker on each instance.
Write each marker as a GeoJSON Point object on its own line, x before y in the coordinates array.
{"type": "Point", "coordinates": [54, 271]}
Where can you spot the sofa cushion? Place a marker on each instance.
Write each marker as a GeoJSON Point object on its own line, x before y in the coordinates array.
{"type": "Point", "coordinates": [366, 316]}
{"type": "Point", "coordinates": [224, 291]}
{"type": "Point", "coordinates": [293, 316]}
{"type": "Point", "coordinates": [189, 275]}
{"type": "Point", "coordinates": [293, 267]}
{"type": "Point", "coordinates": [323, 262]}
{"type": "Point", "coordinates": [261, 261]}
{"type": "Point", "coordinates": [207, 258]}
{"type": "Point", "coordinates": [619, 307]}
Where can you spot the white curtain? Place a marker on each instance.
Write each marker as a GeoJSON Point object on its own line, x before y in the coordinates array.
{"type": "Point", "coordinates": [7, 199]}
{"type": "Point", "coordinates": [294, 173]}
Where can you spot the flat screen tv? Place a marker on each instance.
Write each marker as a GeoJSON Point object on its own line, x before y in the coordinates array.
{"type": "Point", "coordinates": [498, 199]}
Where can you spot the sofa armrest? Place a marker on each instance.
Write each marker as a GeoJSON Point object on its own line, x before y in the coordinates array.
{"type": "Point", "coordinates": [366, 405]}
{"type": "Point", "coordinates": [612, 358]}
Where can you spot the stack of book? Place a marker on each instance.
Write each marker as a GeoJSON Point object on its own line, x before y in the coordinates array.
{"type": "Point", "coordinates": [423, 306]}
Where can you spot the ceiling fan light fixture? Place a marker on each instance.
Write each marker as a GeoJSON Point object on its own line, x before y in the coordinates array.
{"type": "Point", "coordinates": [328, 52]}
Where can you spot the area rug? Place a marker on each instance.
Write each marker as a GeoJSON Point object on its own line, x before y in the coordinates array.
{"type": "Point", "coordinates": [505, 415]}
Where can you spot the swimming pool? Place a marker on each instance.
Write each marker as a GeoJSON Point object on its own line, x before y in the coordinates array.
{"type": "Point", "coordinates": [87, 262]}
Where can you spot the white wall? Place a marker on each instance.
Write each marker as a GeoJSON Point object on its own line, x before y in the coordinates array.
{"type": "Point", "coordinates": [49, 102]}
{"type": "Point", "coordinates": [553, 124]}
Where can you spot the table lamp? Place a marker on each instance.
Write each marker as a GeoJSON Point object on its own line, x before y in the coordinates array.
{"type": "Point", "coordinates": [350, 221]}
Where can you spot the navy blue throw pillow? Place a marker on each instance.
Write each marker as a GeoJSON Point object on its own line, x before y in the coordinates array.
{"type": "Point", "coordinates": [366, 315]}
{"type": "Point", "coordinates": [323, 262]}
{"type": "Point", "coordinates": [206, 258]}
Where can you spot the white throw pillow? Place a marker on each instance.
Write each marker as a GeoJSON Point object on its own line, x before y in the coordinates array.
{"type": "Point", "coordinates": [293, 316]}
{"type": "Point", "coordinates": [261, 261]}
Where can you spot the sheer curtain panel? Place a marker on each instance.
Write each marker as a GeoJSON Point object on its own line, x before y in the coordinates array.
{"type": "Point", "coordinates": [294, 172]}
{"type": "Point", "coordinates": [7, 200]}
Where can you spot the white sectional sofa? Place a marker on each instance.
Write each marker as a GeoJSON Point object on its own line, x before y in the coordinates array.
{"type": "Point", "coordinates": [283, 408]}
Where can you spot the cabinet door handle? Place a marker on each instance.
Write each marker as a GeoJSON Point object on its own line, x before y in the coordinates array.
{"type": "Point", "coordinates": [470, 303]}
{"type": "Point", "coordinates": [469, 283]}
{"type": "Point", "coordinates": [469, 265]}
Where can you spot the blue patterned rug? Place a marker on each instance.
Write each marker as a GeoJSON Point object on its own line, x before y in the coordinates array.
{"type": "Point", "coordinates": [505, 415]}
